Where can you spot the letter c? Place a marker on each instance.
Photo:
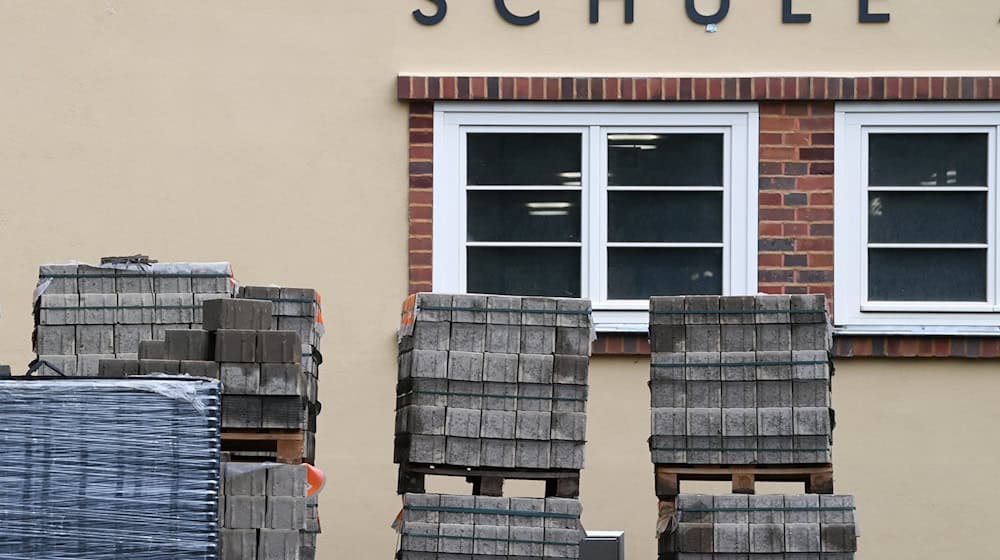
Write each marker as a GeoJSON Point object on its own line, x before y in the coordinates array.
{"type": "Point", "coordinates": [513, 18]}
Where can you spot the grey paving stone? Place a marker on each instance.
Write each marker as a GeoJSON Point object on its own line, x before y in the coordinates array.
{"type": "Point", "coordinates": [774, 337]}
{"type": "Point", "coordinates": [772, 309]}
{"type": "Point", "coordinates": [767, 538]}
{"type": "Point", "coordinates": [59, 309]}
{"type": "Point", "coordinates": [456, 539]}
{"type": "Point", "coordinates": [497, 424]}
{"type": "Point", "coordinates": [128, 337]}
{"type": "Point", "coordinates": [286, 480]}
{"type": "Point", "coordinates": [732, 510]}
{"type": "Point", "coordinates": [696, 509]}
{"type": "Point", "coordinates": [534, 368]}
{"type": "Point", "coordinates": [573, 340]}
{"type": "Point", "coordinates": [802, 509]}
{"type": "Point", "coordinates": [465, 394]}
{"type": "Point", "coordinates": [434, 307]}
{"type": "Point", "coordinates": [526, 541]}
{"type": "Point", "coordinates": [703, 366]}
{"type": "Point", "coordinates": [497, 453]}
{"type": "Point", "coordinates": [503, 310]}
{"type": "Point", "coordinates": [533, 311]}
{"type": "Point", "coordinates": [569, 426]}
{"type": "Point", "coordinates": [95, 280]}
{"type": "Point", "coordinates": [431, 335]}
{"type": "Point", "coordinates": [491, 505]}
{"type": "Point", "coordinates": [704, 421]}
{"type": "Point", "coordinates": [173, 309]}
{"type": "Point", "coordinates": [811, 364]}
{"type": "Point", "coordinates": [569, 398]}
{"type": "Point", "coordinates": [669, 394]}
{"type": "Point", "coordinates": [197, 368]}
{"type": "Point", "coordinates": [817, 336]}
{"type": "Point", "coordinates": [245, 512]}
{"type": "Point", "coordinates": [774, 394]}
{"type": "Point", "coordinates": [703, 338]}
{"type": "Point", "coordinates": [703, 394]}
{"type": "Point", "coordinates": [668, 449]}
{"type": "Point", "coordinates": [238, 543]}
{"type": "Point", "coordinates": [666, 310]}
{"type": "Point", "coordinates": [739, 394]}
{"type": "Point", "coordinates": [136, 309]}
{"type": "Point", "coordinates": [738, 338]}
{"type": "Point", "coordinates": [538, 340]}
{"type": "Point", "coordinates": [55, 339]}
{"type": "Point", "coordinates": [574, 312]}
{"type": "Point", "coordinates": [242, 411]}
{"type": "Point", "coordinates": [117, 368]}
{"type": "Point", "coordinates": [774, 422]}
{"type": "Point", "coordinates": [428, 450]}
{"type": "Point", "coordinates": [737, 310]}
{"type": "Point", "coordinates": [490, 541]}
{"type": "Point", "coordinates": [732, 538]}
{"type": "Point", "coordinates": [503, 339]}
{"type": "Point", "coordinates": [98, 309]}
{"type": "Point", "coordinates": [767, 510]}
{"type": "Point", "coordinates": [531, 454]}
{"type": "Point", "coordinates": [279, 347]}
{"type": "Point", "coordinates": [278, 545]}
{"type": "Point", "coordinates": [838, 538]}
{"type": "Point", "coordinates": [149, 367]}
{"type": "Point", "coordinates": [566, 455]}
{"type": "Point", "coordinates": [468, 337]}
{"type": "Point", "coordinates": [469, 308]}
{"type": "Point", "coordinates": [500, 368]}
{"type": "Point", "coordinates": [463, 451]}
{"type": "Point", "coordinates": [774, 365]}
{"type": "Point", "coordinates": [429, 364]}
{"type": "Point", "coordinates": [808, 302]}
{"type": "Point", "coordinates": [811, 421]}
{"type": "Point", "coordinates": [775, 450]}
{"type": "Point", "coordinates": [535, 397]}
{"type": "Point", "coordinates": [61, 277]}
{"type": "Point", "coordinates": [285, 512]}
{"type": "Point", "coordinates": [465, 366]}
{"type": "Point", "coordinates": [152, 350]}
{"type": "Point", "coordinates": [836, 516]}
{"type": "Point", "coordinates": [802, 537]}
{"type": "Point", "coordinates": [421, 501]}
{"type": "Point", "coordinates": [420, 537]}
{"type": "Point", "coordinates": [236, 314]}
{"type": "Point", "coordinates": [281, 379]}
{"type": "Point", "coordinates": [239, 378]}
{"type": "Point", "coordinates": [701, 310]}
{"type": "Point", "coordinates": [532, 425]}
{"type": "Point", "coordinates": [461, 422]}
{"type": "Point", "coordinates": [190, 344]}
{"type": "Point", "coordinates": [696, 537]}
{"type": "Point", "coordinates": [669, 422]}
{"type": "Point", "coordinates": [667, 338]}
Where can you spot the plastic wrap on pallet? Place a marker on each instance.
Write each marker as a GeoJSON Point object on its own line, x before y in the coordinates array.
{"type": "Point", "coordinates": [109, 469]}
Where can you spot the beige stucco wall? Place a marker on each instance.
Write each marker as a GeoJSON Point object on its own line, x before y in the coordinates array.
{"type": "Point", "coordinates": [267, 133]}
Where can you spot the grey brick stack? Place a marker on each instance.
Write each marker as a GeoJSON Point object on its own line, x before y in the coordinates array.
{"type": "Point", "coordinates": [740, 380]}
{"type": "Point", "coordinates": [765, 527]}
{"type": "Point", "coordinates": [265, 514]}
{"type": "Point", "coordinates": [84, 314]}
{"type": "Point", "coordinates": [442, 527]}
{"type": "Point", "coordinates": [493, 381]}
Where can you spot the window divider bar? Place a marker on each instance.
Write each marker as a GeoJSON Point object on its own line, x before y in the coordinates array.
{"type": "Point", "coordinates": [969, 246]}
{"type": "Point", "coordinates": [665, 189]}
{"type": "Point", "coordinates": [929, 189]}
{"type": "Point", "coordinates": [554, 244]}
{"type": "Point", "coordinates": [664, 245]}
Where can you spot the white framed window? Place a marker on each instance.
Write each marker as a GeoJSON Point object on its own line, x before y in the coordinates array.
{"type": "Point", "coordinates": [915, 218]}
{"type": "Point", "coordinates": [612, 202]}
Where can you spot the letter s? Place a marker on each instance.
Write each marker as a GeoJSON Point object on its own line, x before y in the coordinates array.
{"type": "Point", "coordinates": [438, 17]}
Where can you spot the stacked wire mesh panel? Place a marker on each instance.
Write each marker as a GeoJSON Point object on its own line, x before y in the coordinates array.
{"type": "Point", "coordinates": [109, 469]}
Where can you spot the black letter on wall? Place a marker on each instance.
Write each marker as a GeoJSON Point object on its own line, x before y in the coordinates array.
{"type": "Point", "coordinates": [629, 11]}
{"type": "Point", "coordinates": [865, 15]}
{"type": "Point", "coordinates": [788, 16]}
{"type": "Point", "coordinates": [513, 18]}
{"type": "Point", "coordinates": [438, 17]}
{"type": "Point", "coordinates": [696, 17]}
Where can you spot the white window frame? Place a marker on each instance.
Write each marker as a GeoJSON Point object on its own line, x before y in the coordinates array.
{"type": "Point", "coordinates": [853, 313]}
{"type": "Point", "coordinates": [739, 123]}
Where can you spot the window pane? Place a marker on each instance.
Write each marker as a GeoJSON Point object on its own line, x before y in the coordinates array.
{"type": "Point", "coordinates": [913, 217]}
{"type": "Point", "coordinates": [638, 273]}
{"type": "Point", "coordinates": [928, 159]}
{"type": "Point", "coordinates": [667, 160]}
{"type": "Point", "coordinates": [524, 271]}
{"type": "Point", "coordinates": [664, 217]}
{"type": "Point", "coordinates": [524, 216]}
{"type": "Point", "coordinates": [524, 159]}
{"type": "Point", "coordinates": [927, 275]}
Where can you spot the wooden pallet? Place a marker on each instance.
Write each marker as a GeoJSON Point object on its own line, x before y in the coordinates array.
{"type": "Point", "coordinates": [818, 478]}
{"type": "Point", "coordinates": [488, 481]}
{"type": "Point", "coordinates": [288, 446]}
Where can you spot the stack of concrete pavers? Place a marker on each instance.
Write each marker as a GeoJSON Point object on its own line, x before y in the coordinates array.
{"type": "Point", "coordinates": [84, 314]}
{"type": "Point", "coordinates": [764, 527]}
{"type": "Point", "coordinates": [493, 381]}
{"type": "Point", "coordinates": [740, 380]}
{"type": "Point", "coordinates": [440, 527]}
{"type": "Point", "coordinates": [264, 513]}
{"type": "Point", "coordinates": [261, 369]}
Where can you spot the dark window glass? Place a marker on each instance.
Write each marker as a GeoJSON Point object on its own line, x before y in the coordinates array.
{"type": "Point", "coordinates": [638, 273]}
{"type": "Point", "coordinates": [927, 275]}
{"type": "Point", "coordinates": [524, 271]}
{"type": "Point", "coordinates": [524, 159]}
{"type": "Point", "coordinates": [915, 217]}
{"type": "Point", "coordinates": [664, 217]}
{"type": "Point", "coordinates": [524, 216]}
{"type": "Point", "coordinates": [959, 159]}
{"type": "Point", "coordinates": [666, 160]}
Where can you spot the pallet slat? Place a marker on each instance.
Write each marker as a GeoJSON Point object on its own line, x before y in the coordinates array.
{"type": "Point", "coordinates": [817, 478]}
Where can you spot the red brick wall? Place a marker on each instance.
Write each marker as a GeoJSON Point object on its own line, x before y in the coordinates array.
{"type": "Point", "coordinates": [421, 181]}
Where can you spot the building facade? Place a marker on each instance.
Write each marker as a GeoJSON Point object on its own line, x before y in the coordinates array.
{"type": "Point", "coordinates": [605, 149]}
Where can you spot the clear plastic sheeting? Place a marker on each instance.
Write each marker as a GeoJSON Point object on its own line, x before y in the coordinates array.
{"type": "Point", "coordinates": [109, 469]}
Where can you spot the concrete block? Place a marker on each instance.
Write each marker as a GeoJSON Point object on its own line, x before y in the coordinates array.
{"type": "Point", "coordinates": [278, 545]}
{"type": "Point", "coordinates": [667, 338]}
{"type": "Point", "coordinates": [528, 506]}
{"type": "Point", "coordinates": [281, 379]}
{"type": "Point", "coordinates": [767, 538]}
{"type": "Point", "coordinates": [703, 366]}
{"type": "Point", "coordinates": [431, 336]}
{"type": "Point", "coordinates": [538, 312]}
{"type": "Point", "coordinates": [239, 411]}
{"type": "Point", "coordinates": [61, 278]}
{"type": "Point", "coordinates": [59, 309]}
{"type": "Point", "coordinates": [468, 308]}
{"type": "Point", "coordinates": [463, 451]}
{"type": "Point", "coordinates": [136, 279]}
{"type": "Point", "coordinates": [571, 370]}
{"type": "Point", "coordinates": [767, 509]}
{"type": "Point", "coordinates": [66, 365]}
{"type": "Point", "coordinates": [269, 293]}
{"type": "Point", "coordinates": [739, 422]}
{"type": "Point", "coordinates": [500, 368]}
{"type": "Point", "coordinates": [458, 503]}
{"type": "Point", "coordinates": [774, 338]}
{"type": "Point", "coordinates": [526, 542]}
{"type": "Point", "coordinates": [732, 538]}
{"type": "Point", "coordinates": [95, 339]}
{"type": "Point", "coordinates": [238, 543]}
{"type": "Point", "coordinates": [283, 412]}
{"type": "Point", "coordinates": [197, 368]}
{"type": "Point", "coordinates": [98, 309]}
{"type": "Point", "coordinates": [573, 341]}
{"type": "Point", "coordinates": [285, 512]}
{"type": "Point", "coordinates": [503, 310]}
{"type": "Point", "coordinates": [701, 310]}
{"type": "Point", "coordinates": [491, 540]}
{"type": "Point", "coordinates": [669, 422]}
{"type": "Point", "coordinates": [732, 510]}
{"type": "Point", "coordinates": [773, 309]}
{"type": "Point", "coordinates": [774, 365]}
{"type": "Point", "coordinates": [279, 347]}
{"type": "Point", "coordinates": [503, 339]}
{"type": "Point", "coordinates": [695, 537]}
{"type": "Point", "coordinates": [569, 426]}
{"type": "Point", "coordinates": [532, 454]}
{"type": "Point", "coordinates": [738, 338]}
{"type": "Point", "coordinates": [569, 398]}
{"type": "Point", "coordinates": [812, 422]}
{"type": "Point", "coordinates": [434, 307]}
{"type": "Point", "coordinates": [534, 368]}
{"type": "Point", "coordinates": [534, 397]}
{"type": "Point", "coordinates": [198, 313]}
{"type": "Point", "coordinates": [802, 537]}
{"type": "Point", "coordinates": [669, 394]}
{"type": "Point", "coordinates": [304, 326]}
{"type": "Point", "coordinates": [497, 424]}
{"type": "Point", "coordinates": [532, 425]}
{"type": "Point", "coordinates": [538, 340]}
{"type": "Point", "coordinates": [838, 538]}
{"type": "Point", "coordinates": [573, 313]}
{"type": "Point", "coordinates": [239, 378]}
{"type": "Point", "coordinates": [774, 394]}
{"type": "Point", "coordinates": [117, 368]}
{"type": "Point", "coordinates": [836, 509]}
{"type": "Point", "coordinates": [808, 308]}
{"type": "Point", "coordinates": [136, 309]}
{"type": "Point", "coordinates": [419, 501]}
{"type": "Point", "coordinates": [420, 537]}
{"type": "Point", "coordinates": [703, 338]}
{"type": "Point", "coordinates": [566, 455]}
{"type": "Point", "coordinates": [245, 512]}
{"type": "Point", "coordinates": [95, 280]}
{"type": "Point", "coordinates": [464, 423]}
{"type": "Point", "coordinates": [668, 449]}
{"type": "Point", "coordinates": [703, 394]}
{"type": "Point", "coordinates": [500, 396]}
{"type": "Point", "coordinates": [774, 422]}
{"type": "Point", "coordinates": [468, 337]}
{"type": "Point", "coordinates": [465, 394]}
{"type": "Point", "coordinates": [702, 450]}
{"type": "Point", "coordinates": [696, 508]}
{"type": "Point", "coordinates": [465, 366]}
{"type": "Point", "coordinates": [429, 364]}
{"type": "Point", "coordinates": [244, 479]}
{"type": "Point", "coordinates": [492, 505]}
{"type": "Point", "coordinates": [191, 344]}
{"type": "Point", "coordinates": [456, 539]}
{"type": "Point", "coordinates": [816, 336]}
{"type": "Point", "coordinates": [89, 364]}
{"type": "Point", "coordinates": [237, 314]}
{"type": "Point", "coordinates": [497, 453]}
{"type": "Point", "coordinates": [811, 364]}
{"type": "Point", "coordinates": [428, 450]}
{"type": "Point", "coordinates": [424, 392]}
{"type": "Point", "coordinates": [666, 310]}
{"type": "Point", "coordinates": [296, 302]}
{"type": "Point", "coordinates": [152, 350]}
{"type": "Point", "coordinates": [204, 283]}
{"type": "Point", "coordinates": [128, 337]}
{"type": "Point", "coordinates": [739, 394]}
{"type": "Point", "coordinates": [55, 339]}
{"type": "Point", "coordinates": [704, 421]}
{"type": "Point", "coordinates": [775, 450]}
{"type": "Point", "coordinates": [737, 310]}
{"type": "Point", "coordinates": [149, 367]}
{"type": "Point", "coordinates": [667, 365]}
{"type": "Point", "coordinates": [811, 449]}
{"type": "Point", "coordinates": [802, 509]}
{"type": "Point", "coordinates": [174, 309]}
{"type": "Point", "coordinates": [175, 280]}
